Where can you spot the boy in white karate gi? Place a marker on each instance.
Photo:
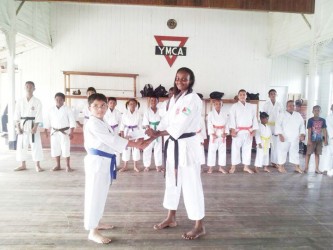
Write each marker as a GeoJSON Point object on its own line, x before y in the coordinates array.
{"type": "Point", "coordinates": [273, 108]}
{"type": "Point", "coordinates": [85, 111]}
{"type": "Point", "coordinates": [263, 140]}
{"type": "Point", "coordinates": [243, 123]}
{"type": "Point", "coordinates": [130, 121]}
{"type": "Point", "coordinates": [217, 124]}
{"type": "Point", "coordinates": [291, 130]}
{"type": "Point", "coordinates": [113, 118]}
{"type": "Point", "coordinates": [28, 116]}
{"type": "Point", "coordinates": [151, 119]}
{"type": "Point", "coordinates": [60, 123]}
{"type": "Point", "coordinates": [100, 143]}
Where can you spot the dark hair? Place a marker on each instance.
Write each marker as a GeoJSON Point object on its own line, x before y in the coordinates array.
{"type": "Point", "coordinates": [289, 102]}
{"type": "Point", "coordinates": [271, 90]}
{"type": "Point", "coordinates": [263, 115]}
{"type": "Point", "coordinates": [316, 107]}
{"type": "Point", "coordinates": [242, 90]}
{"type": "Point", "coordinates": [98, 97]}
{"type": "Point", "coordinates": [60, 95]}
{"type": "Point", "coordinates": [30, 82]}
{"type": "Point", "coordinates": [192, 80]}
{"type": "Point", "coordinates": [91, 89]}
{"type": "Point", "coordinates": [132, 100]}
{"type": "Point", "coordinates": [112, 99]}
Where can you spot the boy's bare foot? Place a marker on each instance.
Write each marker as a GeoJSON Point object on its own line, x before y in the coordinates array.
{"type": "Point", "coordinates": [56, 168]}
{"type": "Point", "coordinates": [318, 171]}
{"type": "Point", "coordinates": [123, 169]}
{"type": "Point", "coordinates": [232, 170]}
{"type": "Point", "coordinates": [281, 169]}
{"type": "Point", "coordinates": [247, 169]}
{"type": "Point", "coordinates": [69, 169]}
{"type": "Point", "coordinates": [194, 233]}
{"type": "Point", "coordinates": [274, 165]}
{"type": "Point", "coordinates": [210, 170]}
{"type": "Point", "coordinates": [221, 170]}
{"type": "Point", "coordinates": [20, 168]}
{"type": "Point", "coordinates": [146, 169]}
{"type": "Point", "coordinates": [102, 226]}
{"type": "Point", "coordinates": [39, 169]}
{"type": "Point", "coordinates": [165, 224]}
{"type": "Point", "coordinates": [298, 170]}
{"type": "Point", "coordinates": [266, 169]}
{"type": "Point", "coordinates": [256, 170]}
{"type": "Point", "coordinates": [95, 236]}
{"type": "Point", "coordinates": [305, 170]}
{"type": "Point", "coordinates": [136, 169]}
{"type": "Point", "coordinates": [158, 169]}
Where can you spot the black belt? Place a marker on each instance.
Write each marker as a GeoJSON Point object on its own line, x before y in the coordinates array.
{"type": "Point", "coordinates": [176, 150]}
{"type": "Point", "coordinates": [62, 130]}
{"type": "Point", "coordinates": [29, 118]}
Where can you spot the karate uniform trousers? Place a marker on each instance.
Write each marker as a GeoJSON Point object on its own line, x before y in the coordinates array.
{"type": "Point", "coordinates": [263, 137]}
{"type": "Point", "coordinates": [97, 169]}
{"type": "Point", "coordinates": [184, 116]}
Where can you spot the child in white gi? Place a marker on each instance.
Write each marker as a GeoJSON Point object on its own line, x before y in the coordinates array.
{"type": "Point", "coordinates": [101, 144]}
{"type": "Point", "coordinates": [291, 130]}
{"type": "Point", "coordinates": [151, 118]}
{"type": "Point", "coordinates": [217, 123]}
{"type": "Point", "coordinates": [243, 123]}
{"type": "Point", "coordinates": [183, 170]}
{"type": "Point", "coordinates": [85, 111]}
{"type": "Point", "coordinates": [61, 123]}
{"type": "Point", "coordinates": [202, 136]}
{"type": "Point", "coordinates": [273, 108]}
{"type": "Point", "coordinates": [113, 118]}
{"type": "Point", "coordinates": [130, 122]}
{"type": "Point", "coordinates": [263, 140]}
{"type": "Point", "coordinates": [28, 116]}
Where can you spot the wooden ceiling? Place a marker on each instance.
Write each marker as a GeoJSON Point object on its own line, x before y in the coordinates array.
{"type": "Point", "coordinates": [291, 6]}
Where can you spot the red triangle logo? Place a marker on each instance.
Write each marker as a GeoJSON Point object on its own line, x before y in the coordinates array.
{"type": "Point", "coordinates": [182, 40]}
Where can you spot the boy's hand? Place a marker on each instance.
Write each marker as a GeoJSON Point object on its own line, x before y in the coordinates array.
{"type": "Point", "coordinates": [309, 142]}
{"type": "Point", "coordinates": [151, 133]}
{"type": "Point", "coordinates": [233, 132]}
{"type": "Point", "coordinates": [259, 145]}
{"type": "Point", "coordinates": [302, 137]}
{"type": "Point", "coordinates": [281, 137]}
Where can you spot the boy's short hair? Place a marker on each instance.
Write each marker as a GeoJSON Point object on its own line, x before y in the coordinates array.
{"type": "Point", "coordinates": [96, 96]}
{"type": "Point", "coordinates": [30, 82]}
{"type": "Point", "coordinates": [316, 107]}
{"type": "Point", "coordinates": [242, 90]}
{"type": "Point", "coordinates": [289, 102]}
{"type": "Point", "coordinates": [112, 99]}
{"type": "Point", "coordinates": [91, 89]}
{"type": "Point", "coordinates": [60, 95]}
{"type": "Point", "coordinates": [271, 90]}
{"type": "Point", "coordinates": [263, 115]}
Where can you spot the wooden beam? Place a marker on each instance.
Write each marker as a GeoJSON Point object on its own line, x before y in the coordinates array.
{"type": "Point", "coordinates": [292, 6]}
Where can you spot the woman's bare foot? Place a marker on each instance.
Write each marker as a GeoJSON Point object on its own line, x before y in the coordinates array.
{"type": "Point", "coordinates": [164, 224]}
{"type": "Point", "coordinates": [158, 169]}
{"type": "Point", "coordinates": [221, 170]}
{"type": "Point", "coordinates": [56, 168]}
{"type": "Point", "coordinates": [210, 170]}
{"type": "Point", "coordinates": [39, 169]}
{"type": "Point", "coordinates": [281, 169]}
{"type": "Point", "coordinates": [136, 169]}
{"type": "Point", "coordinates": [20, 168]}
{"type": "Point", "coordinates": [232, 169]}
{"type": "Point", "coordinates": [266, 169]}
{"type": "Point", "coordinates": [317, 171]}
{"type": "Point", "coordinates": [146, 169]}
{"type": "Point", "coordinates": [256, 170]}
{"type": "Point", "coordinates": [69, 169]}
{"type": "Point", "coordinates": [247, 169]}
{"type": "Point", "coordinates": [194, 233]}
{"type": "Point", "coordinates": [95, 235]}
{"type": "Point", "coordinates": [102, 226]}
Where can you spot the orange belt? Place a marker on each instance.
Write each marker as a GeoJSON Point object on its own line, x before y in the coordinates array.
{"type": "Point", "coordinates": [249, 129]}
{"type": "Point", "coordinates": [222, 128]}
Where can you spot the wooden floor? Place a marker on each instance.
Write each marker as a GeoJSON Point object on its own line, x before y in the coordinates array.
{"type": "Point", "coordinates": [261, 211]}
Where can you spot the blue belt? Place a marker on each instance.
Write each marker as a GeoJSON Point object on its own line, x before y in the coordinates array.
{"type": "Point", "coordinates": [113, 166]}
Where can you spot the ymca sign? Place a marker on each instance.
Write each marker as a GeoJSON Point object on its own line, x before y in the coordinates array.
{"type": "Point", "coordinates": [170, 52]}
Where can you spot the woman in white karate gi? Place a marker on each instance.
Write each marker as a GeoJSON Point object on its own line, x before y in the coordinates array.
{"type": "Point", "coordinates": [181, 122]}
{"type": "Point", "coordinates": [101, 144]}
